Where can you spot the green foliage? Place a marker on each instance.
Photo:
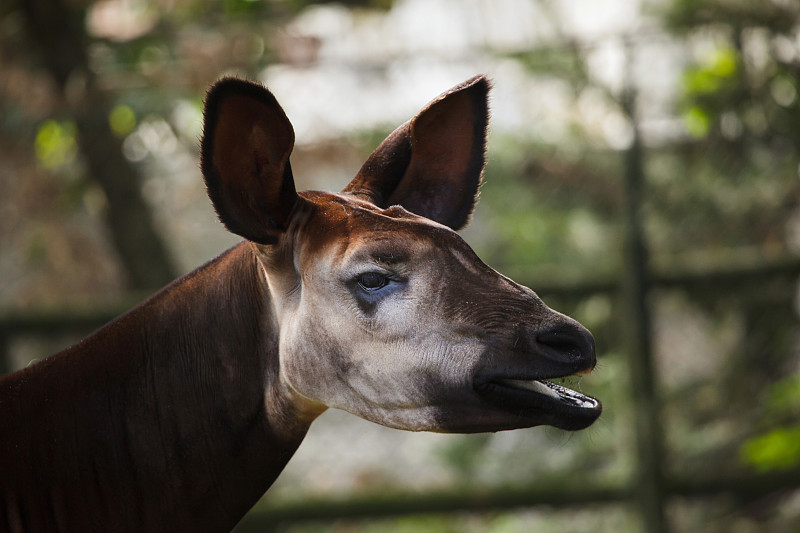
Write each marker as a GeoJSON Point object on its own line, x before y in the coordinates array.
{"type": "Point", "coordinates": [122, 120]}
{"type": "Point", "coordinates": [55, 145]}
{"type": "Point", "coordinates": [784, 398]}
{"type": "Point", "coordinates": [779, 447]}
{"type": "Point", "coordinates": [743, 90]}
{"type": "Point", "coordinates": [707, 85]}
{"type": "Point", "coordinates": [242, 7]}
{"type": "Point", "coordinates": [56, 149]}
{"type": "Point", "coordinates": [739, 103]}
{"type": "Point", "coordinates": [686, 15]}
{"type": "Point", "coordinates": [718, 72]}
{"type": "Point", "coordinates": [697, 121]}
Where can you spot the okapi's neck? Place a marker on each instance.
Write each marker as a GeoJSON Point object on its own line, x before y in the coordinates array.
{"type": "Point", "coordinates": [173, 410]}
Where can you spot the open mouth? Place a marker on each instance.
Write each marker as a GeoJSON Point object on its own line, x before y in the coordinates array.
{"type": "Point", "coordinates": [541, 400]}
{"type": "Point", "coordinates": [552, 390]}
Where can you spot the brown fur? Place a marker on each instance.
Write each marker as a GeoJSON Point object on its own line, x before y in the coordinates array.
{"type": "Point", "coordinates": [178, 415]}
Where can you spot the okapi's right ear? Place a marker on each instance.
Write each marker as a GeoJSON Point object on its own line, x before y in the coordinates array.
{"type": "Point", "coordinates": [245, 151]}
{"type": "Point", "coordinates": [432, 165]}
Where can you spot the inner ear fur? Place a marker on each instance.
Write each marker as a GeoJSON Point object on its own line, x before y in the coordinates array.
{"type": "Point", "coordinates": [433, 164]}
{"type": "Point", "coordinates": [245, 150]}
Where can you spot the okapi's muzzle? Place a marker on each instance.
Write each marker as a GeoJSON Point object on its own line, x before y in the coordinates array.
{"type": "Point", "coordinates": [521, 385]}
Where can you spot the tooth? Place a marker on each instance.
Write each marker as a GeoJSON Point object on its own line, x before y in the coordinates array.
{"type": "Point", "coordinates": [531, 385]}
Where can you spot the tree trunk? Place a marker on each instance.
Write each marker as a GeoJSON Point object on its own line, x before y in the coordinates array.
{"type": "Point", "coordinates": [58, 32]}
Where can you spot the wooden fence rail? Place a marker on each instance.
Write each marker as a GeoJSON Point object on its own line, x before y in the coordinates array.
{"type": "Point", "coordinates": [743, 486]}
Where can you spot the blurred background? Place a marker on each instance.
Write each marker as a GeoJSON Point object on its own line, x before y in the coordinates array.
{"type": "Point", "coordinates": [643, 177]}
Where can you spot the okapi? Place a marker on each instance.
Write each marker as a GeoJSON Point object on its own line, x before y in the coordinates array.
{"type": "Point", "coordinates": [180, 414]}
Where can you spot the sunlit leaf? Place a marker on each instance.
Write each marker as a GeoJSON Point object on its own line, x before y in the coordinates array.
{"type": "Point", "coordinates": [712, 75]}
{"type": "Point", "coordinates": [55, 143]}
{"type": "Point", "coordinates": [122, 120]}
{"type": "Point", "coordinates": [723, 63]}
{"type": "Point", "coordinates": [777, 450]}
{"type": "Point", "coordinates": [697, 121]}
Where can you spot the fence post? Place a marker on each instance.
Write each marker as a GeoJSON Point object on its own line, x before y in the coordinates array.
{"type": "Point", "coordinates": [649, 482]}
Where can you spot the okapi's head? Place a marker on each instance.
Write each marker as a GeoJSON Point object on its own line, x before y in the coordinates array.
{"type": "Point", "coordinates": [382, 309]}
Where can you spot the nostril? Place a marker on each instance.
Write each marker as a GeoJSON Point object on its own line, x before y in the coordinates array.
{"type": "Point", "coordinates": [572, 340]}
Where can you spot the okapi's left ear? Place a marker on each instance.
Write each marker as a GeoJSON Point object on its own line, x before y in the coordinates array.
{"type": "Point", "coordinates": [245, 151]}
{"type": "Point", "coordinates": [432, 164]}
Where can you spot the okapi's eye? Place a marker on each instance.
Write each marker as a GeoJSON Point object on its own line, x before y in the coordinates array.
{"type": "Point", "coordinates": [372, 281]}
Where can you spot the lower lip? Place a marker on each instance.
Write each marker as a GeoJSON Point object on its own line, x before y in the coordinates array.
{"type": "Point", "coordinates": [541, 399]}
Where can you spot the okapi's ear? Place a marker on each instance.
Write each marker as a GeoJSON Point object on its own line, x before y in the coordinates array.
{"type": "Point", "coordinates": [245, 151]}
{"type": "Point", "coordinates": [432, 164]}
